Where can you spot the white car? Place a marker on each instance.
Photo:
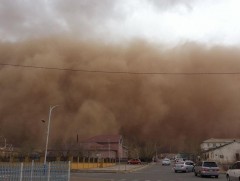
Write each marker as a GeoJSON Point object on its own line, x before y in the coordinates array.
{"type": "Point", "coordinates": [184, 166]}
{"type": "Point", "coordinates": [233, 172]}
{"type": "Point", "coordinates": [166, 161]}
{"type": "Point", "coordinates": [206, 168]}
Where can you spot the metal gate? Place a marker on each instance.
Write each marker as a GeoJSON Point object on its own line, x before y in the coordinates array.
{"type": "Point", "coordinates": [52, 171]}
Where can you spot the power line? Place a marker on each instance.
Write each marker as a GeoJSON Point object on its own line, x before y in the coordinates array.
{"type": "Point", "coordinates": [120, 72]}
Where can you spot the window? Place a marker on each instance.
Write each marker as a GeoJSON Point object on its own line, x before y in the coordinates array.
{"type": "Point", "coordinates": [189, 163]}
{"type": "Point", "coordinates": [238, 165]}
{"type": "Point", "coordinates": [234, 166]}
{"type": "Point", "coordinates": [210, 164]}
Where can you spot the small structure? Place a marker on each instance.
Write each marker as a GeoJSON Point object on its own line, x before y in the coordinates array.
{"type": "Point", "coordinates": [224, 154]}
{"type": "Point", "coordinates": [105, 146]}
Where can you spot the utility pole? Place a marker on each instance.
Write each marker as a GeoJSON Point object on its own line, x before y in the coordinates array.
{"type": "Point", "coordinates": [108, 148]}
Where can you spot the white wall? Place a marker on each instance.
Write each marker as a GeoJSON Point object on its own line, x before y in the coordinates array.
{"type": "Point", "coordinates": [207, 146]}
{"type": "Point", "coordinates": [226, 154]}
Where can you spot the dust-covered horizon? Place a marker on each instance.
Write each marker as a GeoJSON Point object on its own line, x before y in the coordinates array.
{"type": "Point", "coordinates": [172, 110]}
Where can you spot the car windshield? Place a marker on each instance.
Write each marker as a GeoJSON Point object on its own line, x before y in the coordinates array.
{"type": "Point", "coordinates": [210, 164]}
{"type": "Point", "coordinates": [180, 163]}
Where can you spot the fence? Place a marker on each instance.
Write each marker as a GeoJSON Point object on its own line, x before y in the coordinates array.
{"type": "Point", "coordinates": [52, 171]}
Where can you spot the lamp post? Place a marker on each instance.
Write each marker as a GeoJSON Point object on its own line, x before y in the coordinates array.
{"type": "Point", "coordinates": [48, 128]}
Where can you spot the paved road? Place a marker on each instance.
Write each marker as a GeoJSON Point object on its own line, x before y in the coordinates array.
{"type": "Point", "coordinates": [154, 172]}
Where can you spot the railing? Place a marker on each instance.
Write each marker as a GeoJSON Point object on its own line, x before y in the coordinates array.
{"type": "Point", "coordinates": [52, 171]}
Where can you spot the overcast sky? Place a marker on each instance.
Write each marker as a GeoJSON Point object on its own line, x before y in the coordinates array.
{"type": "Point", "coordinates": [164, 21]}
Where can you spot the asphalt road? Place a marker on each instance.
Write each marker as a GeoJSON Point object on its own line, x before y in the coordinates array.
{"type": "Point", "coordinates": [155, 172]}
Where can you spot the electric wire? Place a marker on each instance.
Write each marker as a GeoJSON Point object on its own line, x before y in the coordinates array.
{"type": "Point", "coordinates": [118, 72]}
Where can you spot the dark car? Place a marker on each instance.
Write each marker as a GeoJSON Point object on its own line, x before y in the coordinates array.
{"type": "Point", "coordinates": [206, 168]}
{"type": "Point", "coordinates": [134, 161]}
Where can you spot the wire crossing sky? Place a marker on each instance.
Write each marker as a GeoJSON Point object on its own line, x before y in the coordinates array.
{"type": "Point", "coordinates": [122, 72]}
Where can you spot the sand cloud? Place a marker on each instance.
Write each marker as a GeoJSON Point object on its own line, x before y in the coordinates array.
{"type": "Point", "coordinates": [170, 109]}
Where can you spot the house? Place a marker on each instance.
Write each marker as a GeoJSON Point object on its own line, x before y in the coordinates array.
{"type": "Point", "coordinates": [224, 154]}
{"type": "Point", "coordinates": [105, 146]}
{"type": "Point", "coordinates": [214, 143]}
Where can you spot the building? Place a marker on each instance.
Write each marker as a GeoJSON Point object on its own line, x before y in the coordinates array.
{"type": "Point", "coordinates": [224, 154]}
{"type": "Point", "coordinates": [105, 146]}
{"type": "Point", "coordinates": [214, 143]}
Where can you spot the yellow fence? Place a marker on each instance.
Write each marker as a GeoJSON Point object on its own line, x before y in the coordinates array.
{"type": "Point", "coordinates": [79, 165]}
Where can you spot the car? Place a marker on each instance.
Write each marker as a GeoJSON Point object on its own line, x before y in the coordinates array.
{"type": "Point", "coordinates": [206, 168]}
{"type": "Point", "coordinates": [166, 161]}
{"type": "Point", "coordinates": [233, 172]}
{"type": "Point", "coordinates": [134, 161]}
{"type": "Point", "coordinates": [184, 166]}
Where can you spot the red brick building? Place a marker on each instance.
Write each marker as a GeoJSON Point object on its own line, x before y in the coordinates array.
{"type": "Point", "coordinates": [105, 146]}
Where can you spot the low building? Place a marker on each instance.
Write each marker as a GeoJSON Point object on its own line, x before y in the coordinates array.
{"type": "Point", "coordinates": [214, 143]}
{"type": "Point", "coordinates": [224, 154]}
{"type": "Point", "coordinates": [105, 146]}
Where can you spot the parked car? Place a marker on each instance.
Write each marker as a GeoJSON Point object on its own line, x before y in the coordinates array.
{"type": "Point", "coordinates": [134, 161]}
{"type": "Point", "coordinates": [166, 161]}
{"type": "Point", "coordinates": [184, 166]}
{"type": "Point", "coordinates": [206, 168]}
{"type": "Point", "coordinates": [233, 172]}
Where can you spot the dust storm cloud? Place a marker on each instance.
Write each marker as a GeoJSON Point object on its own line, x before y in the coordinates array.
{"type": "Point", "coordinates": [172, 110]}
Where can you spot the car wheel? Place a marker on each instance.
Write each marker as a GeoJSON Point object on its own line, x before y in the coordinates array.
{"type": "Point", "coordinates": [195, 174]}
{"type": "Point", "coordinates": [216, 176]}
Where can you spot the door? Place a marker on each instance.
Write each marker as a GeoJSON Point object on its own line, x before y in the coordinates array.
{"type": "Point", "coordinates": [189, 166]}
{"type": "Point", "coordinates": [237, 157]}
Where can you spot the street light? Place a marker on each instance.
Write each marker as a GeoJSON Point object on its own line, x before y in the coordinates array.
{"type": "Point", "coordinates": [48, 128]}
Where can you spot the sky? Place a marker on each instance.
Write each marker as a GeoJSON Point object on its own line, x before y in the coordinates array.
{"type": "Point", "coordinates": [155, 71]}
{"type": "Point", "coordinates": [167, 22]}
